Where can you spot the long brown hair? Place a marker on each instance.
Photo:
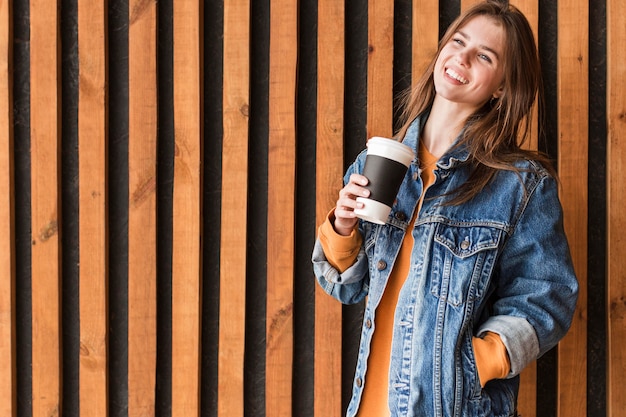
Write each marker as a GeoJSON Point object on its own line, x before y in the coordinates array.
{"type": "Point", "coordinates": [495, 133]}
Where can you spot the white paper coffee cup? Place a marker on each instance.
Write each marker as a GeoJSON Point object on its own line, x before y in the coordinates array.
{"type": "Point", "coordinates": [385, 167]}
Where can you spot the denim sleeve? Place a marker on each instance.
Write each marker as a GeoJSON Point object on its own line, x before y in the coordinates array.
{"type": "Point", "coordinates": [349, 287]}
{"type": "Point", "coordinates": [537, 289]}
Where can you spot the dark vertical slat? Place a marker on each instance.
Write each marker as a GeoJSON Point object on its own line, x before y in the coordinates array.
{"type": "Point", "coordinates": [69, 207]}
{"type": "Point", "coordinates": [355, 108]}
{"type": "Point", "coordinates": [214, 131]}
{"type": "Point", "coordinates": [402, 53]}
{"type": "Point", "coordinates": [448, 11]}
{"type": "Point", "coordinates": [304, 284]}
{"type": "Point", "coordinates": [547, 41]}
{"type": "Point", "coordinates": [547, 365]}
{"type": "Point", "coordinates": [21, 113]}
{"type": "Point", "coordinates": [118, 207]}
{"type": "Point", "coordinates": [165, 174]}
{"type": "Point", "coordinates": [355, 135]}
{"type": "Point", "coordinates": [597, 229]}
{"type": "Point", "coordinates": [256, 259]}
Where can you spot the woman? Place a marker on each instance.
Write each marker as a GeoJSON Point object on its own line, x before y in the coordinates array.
{"type": "Point", "coordinates": [471, 278]}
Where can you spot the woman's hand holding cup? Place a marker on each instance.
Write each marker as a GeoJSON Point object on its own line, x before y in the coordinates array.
{"type": "Point", "coordinates": [345, 218]}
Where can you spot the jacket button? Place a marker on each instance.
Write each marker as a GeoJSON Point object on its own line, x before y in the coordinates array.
{"type": "Point", "coordinates": [381, 265]}
{"type": "Point", "coordinates": [368, 323]}
{"type": "Point", "coordinates": [465, 244]}
{"type": "Point", "coordinates": [359, 382]}
{"type": "Point", "coordinates": [400, 216]}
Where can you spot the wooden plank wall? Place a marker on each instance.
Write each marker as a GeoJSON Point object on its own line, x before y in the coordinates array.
{"type": "Point", "coordinates": [165, 166]}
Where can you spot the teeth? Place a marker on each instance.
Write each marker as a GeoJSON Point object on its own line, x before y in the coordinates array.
{"type": "Point", "coordinates": [456, 76]}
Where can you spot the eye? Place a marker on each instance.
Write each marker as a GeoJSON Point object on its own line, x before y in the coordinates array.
{"type": "Point", "coordinates": [458, 41]}
{"type": "Point", "coordinates": [485, 57]}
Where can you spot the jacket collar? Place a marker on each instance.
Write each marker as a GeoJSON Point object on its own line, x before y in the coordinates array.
{"type": "Point", "coordinates": [453, 157]}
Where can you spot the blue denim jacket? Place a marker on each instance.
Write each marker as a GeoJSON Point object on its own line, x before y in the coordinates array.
{"type": "Point", "coordinates": [499, 262]}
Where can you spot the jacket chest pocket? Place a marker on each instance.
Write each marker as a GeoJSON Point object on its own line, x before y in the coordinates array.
{"type": "Point", "coordinates": [463, 259]}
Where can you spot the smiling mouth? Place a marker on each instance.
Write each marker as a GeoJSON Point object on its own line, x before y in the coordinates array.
{"type": "Point", "coordinates": [453, 74]}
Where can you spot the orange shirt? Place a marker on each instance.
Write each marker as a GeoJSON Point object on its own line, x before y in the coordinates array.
{"type": "Point", "coordinates": [376, 390]}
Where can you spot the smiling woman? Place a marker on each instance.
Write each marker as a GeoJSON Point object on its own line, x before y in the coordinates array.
{"type": "Point", "coordinates": [470, 279]}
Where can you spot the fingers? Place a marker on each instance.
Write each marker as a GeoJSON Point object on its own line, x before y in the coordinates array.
{"type": "Point", "coordinates": [345, 218]}
{"type": "Point", "coordinates": [358, 179]}
{"type": "Point", "coordinates": [353, 189]}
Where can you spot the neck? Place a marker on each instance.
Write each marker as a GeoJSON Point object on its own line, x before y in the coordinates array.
{"type": "Point", "coordinates": [443, 126]}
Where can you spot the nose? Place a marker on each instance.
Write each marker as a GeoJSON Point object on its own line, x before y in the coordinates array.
{"type": "Point", "coordinates": [462, 58]}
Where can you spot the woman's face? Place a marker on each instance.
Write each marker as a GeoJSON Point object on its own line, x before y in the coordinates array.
{"type": "Point", "coordinates": [470, 68]}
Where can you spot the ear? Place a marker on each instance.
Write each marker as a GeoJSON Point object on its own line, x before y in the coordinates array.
{"type": "Point", "coordinates": [498, 93]}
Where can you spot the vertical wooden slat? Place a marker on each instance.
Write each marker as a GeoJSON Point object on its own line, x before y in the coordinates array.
{"type": "Point", "coordinates": [380, 68]}
{"type": "Point", "coordinates": [530, 9]}
{"type": "Point", "coordinates": [186, 271]}
{"type": "Point", "coordinates": [466, 4]}
{"type": "Point", "coordinates": [281, 207]}
{"type": "Point", "coordinates": [92, 203]}
{"type": "Point", "coordinates": [234, 194]}
{"type": "Point", "coordinates": [616, 216]}
{"type": "Point", "coordinates": [7, 254]}
{"type": "Point", "coordinates": [44, 113]}
{"type": "Point", "coordinates": [425, 35]}
{"type": "Point", "coordinates": [527, 397]}
{"type": "Point", "coordinates": [573, 77]}
{"type": "Point", "coordinates": [329, 166]}
{"type": "Point", "coordinates": [142, 157]}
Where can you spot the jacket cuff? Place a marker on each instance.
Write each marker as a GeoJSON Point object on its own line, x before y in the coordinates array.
{"type": "Point", "coordinates": [341, 251]}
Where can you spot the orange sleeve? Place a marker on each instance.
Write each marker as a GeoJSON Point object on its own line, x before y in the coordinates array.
{"type": "Point", "coordinates": [341, 251]}
{"type": "Point", "coordinates": [492, 359]}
